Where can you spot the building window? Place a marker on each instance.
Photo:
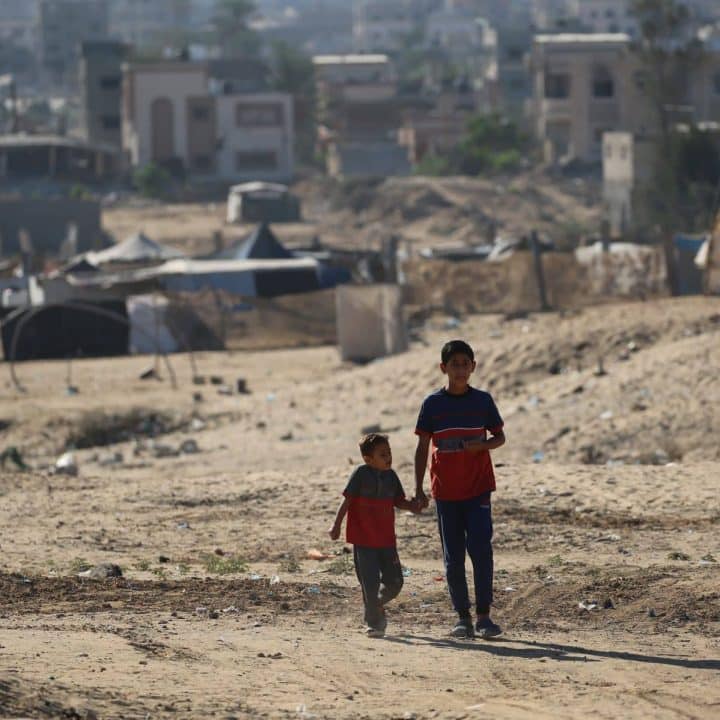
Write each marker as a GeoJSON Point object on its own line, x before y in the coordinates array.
{"type": "Point", "coordinates": [110, 82]}
{"type": "Point", "coordinates": [202, 162]}
{"type": "Point", "coordinates": [255, 160]}
{"type": "Point", "coordinates": [200, 114]}
{"type": "Point", "coordinates": [557, 86]}
{"type": "Point", "coordinates": [716, 83]}
{"type": "Point", "coordinates": [259, 115]}
{"type": "Point", "coordinates": [602, 83]}
{"type": "Point", "coordinates": [110, 122]}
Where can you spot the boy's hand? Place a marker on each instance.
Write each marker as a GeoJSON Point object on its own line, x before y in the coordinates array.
{"type": "Point", "coordinates": [334, 532]}
{"type": "Point", "coordinates": [416, 506]}
{"type": "Point", "coordinates": [422, 499]}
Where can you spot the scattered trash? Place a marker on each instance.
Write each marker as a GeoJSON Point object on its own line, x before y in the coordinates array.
{"type": "Point", "coordinates": [254, 576]}
{"type": "Point", "coordinates": [587, 605]}
{"type": "Point", "coordinates": [606, 415]}
{"type": "Point", "coordinates": [676, 555]}
{"type": "Point", "coordinates": [312, 590]}
{"type": "Point", "coordinates": [163, 559]}
{"type": "Point", "coordinates": [196, 424]}
{"type": "Point", "coordinates": [224, 390]}
{"type": "Point", "coordinates": [216, 380]}
{"type": "Point", "coordinates": [115, 458]}
{"type": "Point", "coordinates": [230, 609]}
{"type": "Point", "coordinates": [189, 447]}
{"type": "Point", "coordinates": [183, 525]}
{"type": "Point", "coordinates": [241, 386]}
{"type": "Point", "coordinates": [148, 374]}
{"type": "Point", "coordinates": [71, 390]}
{"type": "Point", "coordinates": [608, 604]}
{"type": "Point", "coordinates": [451, 323]}
{"type": "Point", "coordinates": [287, 436]}
{"type": "Point", "coordinates": [101, 572]}
{"type": "Point", "coordinates": [197, 397]}
{"type": "Point", "coordinates": [651, 612]}
{"type": "Point", "coordinates": [162, 451]}
{"type": "Point", "coordinates": [275, 580]}
{"type": "Point", "coordinates": [509, 588]}
{"type": "Point", "coordinates": [406, 571]}
{"type": "Point", "coordinates": [270, 397]}
{"type": "Point", "coordinates": [198, 380]}
{"type": "Point", "coordinates": [600, 370]}
{"type": "Point", "coordinates": [315, 554]}
{"type": "Point", "coordinates": [201, 611]}
{"type": "Point", "coordinates": [538, 456]}
{"type": "Point", "coordinates": [66, 465]}
{"type": "Point", "coordinates": [533, 401]}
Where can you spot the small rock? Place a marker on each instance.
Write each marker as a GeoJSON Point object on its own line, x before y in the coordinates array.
{"type": "Point", "coordinates": [213, 614]}
{"type": "Point", "coordinates": [608, 604]}
{"type": "Point", "coordinates": [66, 464]}
{"type": "Point", "coordinates": [163, 559]}
{"type": "Point", "coordinates": [196, 424]}
{"type": "Point", "coordinates": [287, 436]}
{"type": "Point", "coordinates": [198, 380]}
{"type": "Point", "coordinates": [225, 390]}
{"type": "Point", "coordinates": [216, 380]}
{"type": "Point", "coordinates": [101, 572]}
{"type": "Point", "coordinates": [651, 612]}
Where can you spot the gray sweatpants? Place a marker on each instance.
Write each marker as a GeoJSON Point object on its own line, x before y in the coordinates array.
{"type": "Point", "coordinates": [375, 567]}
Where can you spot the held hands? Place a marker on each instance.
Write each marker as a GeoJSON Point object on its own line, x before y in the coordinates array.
{"type": "Point", "coordinates": [421, 499]}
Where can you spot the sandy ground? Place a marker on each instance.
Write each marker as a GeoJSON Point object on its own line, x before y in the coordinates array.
{"type": "Point", "coordinates": [607, 497]}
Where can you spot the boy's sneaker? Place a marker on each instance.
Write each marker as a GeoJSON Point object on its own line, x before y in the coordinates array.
{"type": "Point", "coordinates": [374, 632]}
{"type": "Point", "coordinates": [487, 629]}
{"type": "Point", "coordinates": [463, 627]}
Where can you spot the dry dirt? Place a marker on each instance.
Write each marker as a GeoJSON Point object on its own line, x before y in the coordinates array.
{"type": "Point", "coordinates": [607, 497]}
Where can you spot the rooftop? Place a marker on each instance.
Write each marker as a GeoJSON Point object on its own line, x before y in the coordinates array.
{"type": "Point", "coordinates": [349, 59]}
{"type": "Point", "coordinates": [583, 39]}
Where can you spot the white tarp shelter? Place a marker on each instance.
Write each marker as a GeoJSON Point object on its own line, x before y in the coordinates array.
{"type": "Point", "coordinates": [134, 249]}
{"type": "Point", "coordinates": [370, 322]}
{"type": "Point", "coordinates": [149, 332]}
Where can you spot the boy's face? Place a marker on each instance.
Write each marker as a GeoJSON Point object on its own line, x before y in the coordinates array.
{"type": "Point", "coordinates": [381, 457]}
{"type": "Point", "coordinates": [458, 368]}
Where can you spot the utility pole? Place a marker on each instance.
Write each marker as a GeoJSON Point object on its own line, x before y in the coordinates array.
{"type": "Point", "coordinates": [539, 274]}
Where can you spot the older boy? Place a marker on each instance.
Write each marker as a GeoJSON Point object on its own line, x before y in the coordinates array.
{"type": "Point", "coordinates": [371, 496]}
{"type": "Point", "coordinates": [457, 420]}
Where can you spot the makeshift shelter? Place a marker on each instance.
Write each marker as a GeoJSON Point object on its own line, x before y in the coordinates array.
{"type": "Point", "coordinates": [251, 278]}
{"type": "Point", "coordinates": [261, 243]}
{"type": "Point", "coordinates": [262, 201]}
{"type": "Point", "coordinates": [688, 277]}
{"type": "Point", "coordinates": [136, 249]}
{"type": "Point", "coordinates": [64, 331]}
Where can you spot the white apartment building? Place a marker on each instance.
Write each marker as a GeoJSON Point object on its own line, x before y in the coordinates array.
{"type": "Point", "coordinates": [171, 118]}
{"type": "Point", "coordinates": [605, 16]}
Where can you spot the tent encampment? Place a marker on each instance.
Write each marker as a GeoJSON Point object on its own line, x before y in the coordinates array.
{"type": "Point", "coordinates": [260, 244]}
{"type": "Point", "coordinates": [260, 201]}
{"type": "Point", "coordinates": [137, 248]}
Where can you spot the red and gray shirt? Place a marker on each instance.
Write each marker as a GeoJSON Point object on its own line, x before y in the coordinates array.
{"type": "Point", "coordinates": [455, 473]}
{"type": "Point", "coordinates": [372, 496]}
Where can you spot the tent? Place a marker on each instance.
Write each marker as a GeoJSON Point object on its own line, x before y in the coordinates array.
{"type": "Point", "coordinates": [256, 201]}
{"type": "Point", "coordinates": [261, 243]}
{"type": "Point", "coordinates": [138, 248]}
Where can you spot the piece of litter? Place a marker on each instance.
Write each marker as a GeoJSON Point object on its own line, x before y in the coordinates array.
{"type": "Point", "coordinates": [312, 590]}
{"type": "Point", "coordinates": [315, 554]}
{"type": "Point", "coordinates": [407, 572]}
{"type": "Point", "coordinates": [275, 580]}
{"type": "Point", "coordinates": [606, 415]}
{"type": "Point", "coordinates": [509, 588]}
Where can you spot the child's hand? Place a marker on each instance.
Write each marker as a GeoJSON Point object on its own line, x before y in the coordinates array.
{"type": "Point", "coordinates": [416, 506]}
{"type": "Point", "coordinates": [334, 532]}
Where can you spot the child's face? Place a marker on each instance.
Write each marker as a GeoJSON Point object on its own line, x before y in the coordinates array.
{"type": "Point", "coordinates": [458, 368]}
{"type": "Point", "coordinates": [381, 458]}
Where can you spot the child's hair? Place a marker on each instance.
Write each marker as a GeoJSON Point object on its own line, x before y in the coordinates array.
{"type": "Point", "coordinates": [369, 442]}
{"type": "Point", "coordinates": [456, 347]}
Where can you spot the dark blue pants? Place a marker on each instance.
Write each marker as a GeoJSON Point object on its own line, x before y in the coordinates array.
{"type": "Point", "coordinates": [467, 525]}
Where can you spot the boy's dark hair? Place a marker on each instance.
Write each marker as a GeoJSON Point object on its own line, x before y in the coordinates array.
{"type": "Point", "coordinates": [456, 347]}
{"type": "Point", "coordinates": [369, 442]}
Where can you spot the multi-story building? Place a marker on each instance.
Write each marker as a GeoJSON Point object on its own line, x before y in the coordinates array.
{"type": "Point", "coordinates": [17, 24]}
{"type": "Point", "coordinates": [147, 24]}
{"type": "Point", "coordinates": [171, 118]}
{"type": "Point", "coordinates": [584, 85]}
{"type": "Point", "coordinates": [101, 90]}
{"type": "Point", "coordinates": [359, 114]}
{"type": "Point", "coordinates": [605, 16]}
{"type": "Point", "coordinates": [62, 26]}
{"type": "Point", "coordinates": [382, 26]}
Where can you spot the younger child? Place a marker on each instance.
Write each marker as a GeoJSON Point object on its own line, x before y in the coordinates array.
{"type": "Point", "coordinates": [371, 496]}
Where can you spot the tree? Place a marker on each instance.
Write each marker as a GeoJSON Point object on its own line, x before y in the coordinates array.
{"type": "Point", "coordinates": [493, 143]}
{"type": "Point", "coordinates": [292, 71]}
{"type": "Point", "coordinates": [231, 28]}
{"type": "Point", "coordinates": [668, 52]}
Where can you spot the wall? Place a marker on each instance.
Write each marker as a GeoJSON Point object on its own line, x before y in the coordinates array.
{"type": "Point", "coordinates": [47, 221]}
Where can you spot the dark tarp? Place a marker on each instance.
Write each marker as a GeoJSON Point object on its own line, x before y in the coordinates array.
{"type": "Point", "coordinates": [688, 276]}
{"type": "Point", "coordinates": [63, 332]}
{"type": "Point", "coordinates": [269, 283]}
{"type": "Point", "coordinates": [260, 244]}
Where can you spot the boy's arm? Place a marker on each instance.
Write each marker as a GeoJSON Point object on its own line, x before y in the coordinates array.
{"type": "Point", "coordinates": [334, 531]}
{"type": "Point", "coordinates": [412, 505]}
{"type": "Point", "coordinates": [421, 458]}
{"type": "Point", "coordinates": [495, 441]}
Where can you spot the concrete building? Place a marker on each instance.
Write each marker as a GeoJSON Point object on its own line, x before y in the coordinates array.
{"type": "Point", "coordinates": [605, 16]}
{"type": "Point", "coordinates": [62, 26]}
{"type": "Point", "coordinates": [584, 86]}
{"type": "Point", "coordinates": [359, 114]}
{"type": "Point", "coordinates": [101, 90]}
{"type": "Point", "coordinates": [382, 26]}
{"type": "Point", "coordinates": [170, 118]}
